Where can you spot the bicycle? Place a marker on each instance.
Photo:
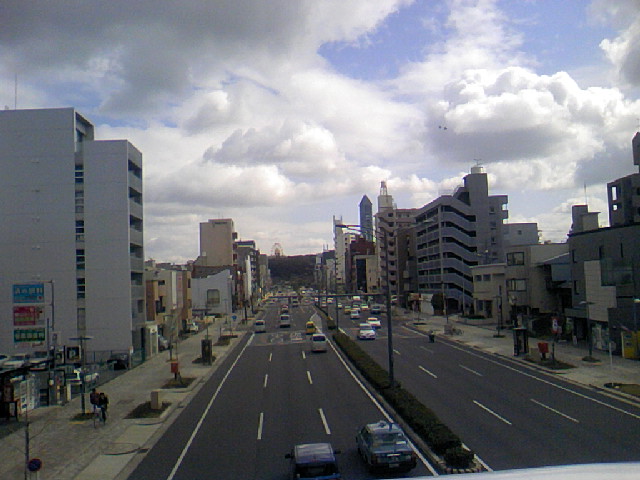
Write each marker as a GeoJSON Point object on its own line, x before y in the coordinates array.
{"type": "Point", "coordinates": [98, 417]}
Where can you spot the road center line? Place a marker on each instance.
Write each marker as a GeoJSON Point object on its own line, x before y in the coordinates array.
{"type": "Point", "coordinates": [309, 377]}
{"type": "Point", "coordinates": [427, 371]}
{"type": "Point", "coordinates": [492, 413]}
{"type": "Point", "coordinates": [554, 410]}
{"type": "Point", "coordinates": [270, 356]}
{"type": "Point", "coordinates": [396, 351]}
{"type": "Point", "coordinates": [324, 422]}
{"type": "Point", "coordinates": [260, 423]}
{"type": "Point", "coordinates": [266, 379]}
{"type": "Point", "coordinates": [470, 370]}
{"type": "Point", "coordinates": [426, 349]}
{"type": "Point", "coordinates": [304, 355]}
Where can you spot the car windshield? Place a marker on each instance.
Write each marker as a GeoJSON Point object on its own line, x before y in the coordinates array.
{"type": "Point", "coordinates": [389, 439]}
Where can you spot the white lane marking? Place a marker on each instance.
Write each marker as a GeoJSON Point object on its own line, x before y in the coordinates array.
{"type": "Point", "coordinates": [260, 423]}
{"type": "Point", "coordinates": [309, 377]}
{"type": "Point", "coordinates": [382, 411]}
{"type": "Point", "coordinates": [304, 355]}
{"type": "Point", "coordinates": [542, 380]}
{"type": "Point", "coordinates": [554, 410]}
{"type": "Point", "coordinates": [470, 370]}
{"type": "Point", "coordinates": [396, 351]}
{"type": "Point", "coordinates": [324, 422]}
{"type": "Point", "coordinates": [427, 371]}
{"type": "Point", "coordinates": [492, 412]}
{"type": "Point", "coordinates": [426, 349]}
{"type": "Point", "coordinates": [266, 379]}
{"type": "Point", "coordinates": [270, 356]}
{"type": "Point", "coordinates": [204, 414]}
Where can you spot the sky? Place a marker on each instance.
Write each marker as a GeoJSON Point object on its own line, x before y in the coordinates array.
{"type": "Point", "coordinates": [281, 114]}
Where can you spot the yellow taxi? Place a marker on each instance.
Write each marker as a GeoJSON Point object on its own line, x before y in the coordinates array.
{"type": "Point", "coordinates": [310, 328]}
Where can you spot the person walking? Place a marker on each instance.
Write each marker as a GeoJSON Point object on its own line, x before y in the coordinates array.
{"type": "Point", "coordinates": [103, 403]}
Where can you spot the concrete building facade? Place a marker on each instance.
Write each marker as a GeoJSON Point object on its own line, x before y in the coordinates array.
{"type": "Point", "coordinates": [72, 219]}
{"type": "Point", "coordinates": [456, 232]}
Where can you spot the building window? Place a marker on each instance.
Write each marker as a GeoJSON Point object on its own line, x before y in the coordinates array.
{"type": "Point", "coordinates": [517, 285]}
{"type": "Point", "coordinates": [486, 278]}
{"type": "Point", "coordinates": [79, 174]}
{"type": "Point", "coordinates": [601, 252]}
{"type": "Point", "coordinates": [80, 259]}
{"type": "Point", "coordinates": [80, 287]}
{"type": "Point", "coordinates": [515, 258]}
{"type": "Point", "coordinates": [213, 297]}
{"type": "Point", "coordinates": [477, 278]}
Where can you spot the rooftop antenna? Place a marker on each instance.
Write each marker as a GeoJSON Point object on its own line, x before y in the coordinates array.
{"type": "Point", "coordinates": [15, 93]}
{"type": "Point", "coordinates": [586, 201]}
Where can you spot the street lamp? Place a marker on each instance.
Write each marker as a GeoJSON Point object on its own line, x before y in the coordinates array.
{"type": "Point", "coordinates": [83, 386]}
{"type": "Point", "coordinates": [589, 333]}
{"type": "Point", "coordinates": [388, 297]}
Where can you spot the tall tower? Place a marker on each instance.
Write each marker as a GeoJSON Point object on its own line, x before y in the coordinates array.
{"type": "Point", "coordinates": [366, 218]}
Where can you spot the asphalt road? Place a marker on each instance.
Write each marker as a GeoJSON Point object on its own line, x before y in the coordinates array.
{"type": "Point", "coordinates": [271, 394]}
{"type": "Point", "coordinates": [510, 415]}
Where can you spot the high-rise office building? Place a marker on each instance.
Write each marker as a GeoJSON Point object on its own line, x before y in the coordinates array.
{"type": "Point", "coordinates": [71, 256]}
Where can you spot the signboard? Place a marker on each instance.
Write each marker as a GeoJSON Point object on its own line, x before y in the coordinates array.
{"type": "Point", "coordinates": [26, 316]}
{"type": "Point", "coordinates": [35, 335]}
{"type": "Point", "coordinates": [28, 293]}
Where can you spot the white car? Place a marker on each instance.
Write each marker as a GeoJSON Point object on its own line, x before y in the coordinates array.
{"type": "Point", "coordinates": [259, 326]}
{"type": "Point", "coordinates": [285, 321]}
{"type": "Point", "coordinates": [355, 314]}
{"type": "Point", "coordinates": [365, 332]}
{"type": "Point", "coordinates": [89, 377]}
{"type": "Point", "coordinates": [3, 358]}
{"type": "Point", "coordinates": [374, 322]}
{"type": "Point", "coordinates": [16, 361]}
{"type": "Point", "coordinates": [318, 342]}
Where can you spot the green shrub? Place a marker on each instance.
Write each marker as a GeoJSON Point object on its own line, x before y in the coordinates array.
{"type": "Point", "coordinates": [458, 457]}
{"type": "Point", "coordinates": [421, 419]}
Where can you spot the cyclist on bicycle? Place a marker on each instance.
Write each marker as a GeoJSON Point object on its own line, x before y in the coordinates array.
{"type": "Point", "coordinates": [103, 403]}
{"type": "Point", "coordinates": [93, 398]}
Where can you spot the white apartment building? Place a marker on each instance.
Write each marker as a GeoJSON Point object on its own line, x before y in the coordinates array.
{"type": "Point", "coordinates": [72, 228]}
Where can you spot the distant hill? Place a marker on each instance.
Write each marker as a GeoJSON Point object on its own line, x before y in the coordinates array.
{"type": "Point", "coordinates": [296, 271]}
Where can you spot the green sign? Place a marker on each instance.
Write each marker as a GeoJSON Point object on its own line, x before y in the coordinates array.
{"type": "Point", "coordinates": [35, 335]}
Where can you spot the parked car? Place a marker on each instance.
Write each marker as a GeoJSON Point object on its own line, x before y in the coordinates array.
{"type": "Point", "coordinates": [3, 358]}
{"type": "Point", "coordinates": [260, 326]}
{"type": "Point", "coordinates": [75, 378]}
{"type": "Point", "coordinates": [319, 342]}
{"type": "Point", "coordinates": [313, 461]}
{"type": "Point", "coordinates": [40, 360]}
{"type": "Point", "coordinates": [374, 322]}
{"type": "Point", "coordinates": [119, 361]}
{"type": "Point", "coordinates": [384, 446]}
{"type": "Point", "coordinates": [163, 343]}
{"type": "Point", "coordinates": [17, 360]}
{"type": "Point", "coordinates": [366, 332]}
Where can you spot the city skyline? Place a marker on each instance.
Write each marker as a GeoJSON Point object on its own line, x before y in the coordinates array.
{"type": "Point", "coordinates": [283, 116]}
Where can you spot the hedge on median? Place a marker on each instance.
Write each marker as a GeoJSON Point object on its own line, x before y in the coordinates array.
{"type": "Point", "coordinates": [423, 421]}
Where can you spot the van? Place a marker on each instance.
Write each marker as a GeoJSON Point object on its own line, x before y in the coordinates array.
{"type": "Point", "coordinates": [259, 326]}
{"type": "Point", "coordinates": [313, 461]}
{"type": "Point", "coordinates": [285, 320]}
{"type": "Point", "coordinates": [318, 342]}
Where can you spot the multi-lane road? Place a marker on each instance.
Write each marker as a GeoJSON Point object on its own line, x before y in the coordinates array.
{"type": "Point", "coordinates": [510, 415]}
{"type": "Point", "coordinates": [272, 394]}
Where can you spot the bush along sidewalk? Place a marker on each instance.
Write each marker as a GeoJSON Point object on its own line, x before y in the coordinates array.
{"type": "Point", "coordinates": [445, 446]}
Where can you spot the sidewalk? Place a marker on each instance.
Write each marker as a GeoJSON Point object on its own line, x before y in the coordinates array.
{"type": "Point", "coordinates": [606, 370]}
{"type": "Point", "coordinates": [72, 449]}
